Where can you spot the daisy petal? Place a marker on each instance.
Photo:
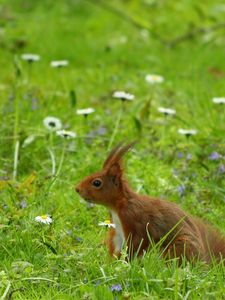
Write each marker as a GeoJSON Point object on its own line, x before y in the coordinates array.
{"type": "Point", "coordinates": [44, 219]}
{"type": "Point", "coordinates": [187, 132]}
{"type": "Point", "coordinates": [167, 111]}
{"type": "Point", "coordinates": [66, 134]}
{"type": "Point", "coordinates": [123, 95]}
{"type": "Point", "coordinates": [30, 57]}
{"type": "Point", "coordinates": [107, 223]}
{"type": "Point", "coordinates": [153, 78]}
{"type": "Point", "coordinates": [85, 111]}
{"type": "Point", "coordinates": [218, 100]}
{"type": "Point", "coordinates": [59, 63]}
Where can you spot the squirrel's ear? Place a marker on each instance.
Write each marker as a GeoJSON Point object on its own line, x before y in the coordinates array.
{"type": "Point", "coordinates": [115, 173]}
{"type": "Point", "coordinates": [116, 154]}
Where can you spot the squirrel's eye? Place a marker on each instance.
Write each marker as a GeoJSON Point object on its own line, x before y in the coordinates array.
{"type": "Point", "coordinates": [97, 182]}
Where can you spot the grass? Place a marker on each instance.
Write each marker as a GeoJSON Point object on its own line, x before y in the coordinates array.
{"type": "Point", "coordinates": [68, 260]}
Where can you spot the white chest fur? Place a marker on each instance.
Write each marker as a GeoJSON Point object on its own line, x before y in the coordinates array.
{"type": "Point", "coordinates": [119, 238]}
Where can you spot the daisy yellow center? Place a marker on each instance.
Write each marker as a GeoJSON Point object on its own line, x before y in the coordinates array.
{"type": "Point", "coordinates": [107, 222]}
{"type": "Point", "coordinates": [44, 217]}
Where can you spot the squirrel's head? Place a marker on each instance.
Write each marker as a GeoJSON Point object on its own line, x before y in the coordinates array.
{"type": "Point", "coordinates": [106, 186]}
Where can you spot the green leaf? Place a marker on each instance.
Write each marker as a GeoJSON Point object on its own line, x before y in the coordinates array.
{"type": "Point", "coordinates": [145, 110]}
{"type": "Point", "coordinates": [137, 124]}
{"type": "Point", "coordinates": [73, 98]}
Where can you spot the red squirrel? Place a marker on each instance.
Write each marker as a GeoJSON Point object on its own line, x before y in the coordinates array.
{"type": "Point", "coordinates": [140, 220]}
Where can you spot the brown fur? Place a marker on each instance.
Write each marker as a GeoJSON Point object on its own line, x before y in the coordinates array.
{"type": "Point", "coordinates": [145, 219]}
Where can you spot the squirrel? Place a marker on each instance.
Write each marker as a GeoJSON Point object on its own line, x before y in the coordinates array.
{"type": "Point", "coordinates": [141, 221]}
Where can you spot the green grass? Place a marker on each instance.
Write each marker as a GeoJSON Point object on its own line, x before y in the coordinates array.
{"type": "Point", "coordinates": [68, 259]}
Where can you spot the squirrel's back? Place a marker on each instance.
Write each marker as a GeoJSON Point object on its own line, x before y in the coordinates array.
{"type": "Point", "coordinates": [164, 218]}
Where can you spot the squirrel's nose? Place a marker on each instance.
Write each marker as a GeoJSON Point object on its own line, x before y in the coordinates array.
{"type": "Point", "coordinates": [77, 189]}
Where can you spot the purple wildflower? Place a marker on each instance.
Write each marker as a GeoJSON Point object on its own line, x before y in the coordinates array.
{"type": "Point", "coordinates": [116, 287]}
{"type": "Point", "coordinates": [179, 155]}
{"type": "Point", "coordinates": [97, 282]}
{"type": "Point", "coordinates": [221, 169]}
{"type": "Point", "coordinates": [189, 156]}
{"type": "Point", "coordinates": [175, 172]}
{"type": "Point", "coordinates": [34, 104]}
{"type": "Point", "coordinates": [78, 239]}
{"type": "Point", "coordinates": [101, 130]}
{"type": "Point", "coordinates": [181, 190]}
{"type": "Point", "coordinates": [214, 156]}
{"type": "Point", "coordinates": [23, 204]}
{"type": "Point", "coordinates": [69, 232]}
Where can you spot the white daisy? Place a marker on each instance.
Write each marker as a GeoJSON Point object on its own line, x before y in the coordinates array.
{"type": "Point", "coordinates": [153, 78]}
{"type": "Point", "coordinates": [66, 134]}
{"type": "Point", "coordinates": [45, 219]}
{"type": "Point", "coordinates": [107, 223]}
{"type": "Point", "coordinates": [59, 63]}
{"type": "Point", "coordinates": [85, 111]}
{"type": "Point", "coordinates": [218, 100]}
{"type": "Point", "coordinates": [52, 123]}
{"type": "Point", "coordinates": [123, 95]}
{"type": "Point", "coordinates": [187, 132]}
{"type": "Point", "coordinates": [30, 57]}
{"type": "Point", "coordinates": [167, 111]}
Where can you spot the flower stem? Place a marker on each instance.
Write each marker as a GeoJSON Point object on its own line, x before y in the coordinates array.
{"type": "Point", "coordinates": [16, 140]}
{"type": "Point", "coordinates": [53, 161]}
{"type": "Point", "coordinates": [59, 167]}
{"type": "Point", "coordinates": [61, 160]}
{"type": "Point", "coordinates": [16, 143]}
{"type": "Point", "coordinates": [115, 129]}
{"type": "Point", "coordinates": [16, 156]}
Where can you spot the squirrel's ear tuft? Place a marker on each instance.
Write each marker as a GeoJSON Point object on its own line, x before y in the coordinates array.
{"type": "Point", "coordinates": [114, 171]}
{"type": "Point", "coordinates": [116, 154]}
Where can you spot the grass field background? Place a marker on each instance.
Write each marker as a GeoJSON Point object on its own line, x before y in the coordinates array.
{"type": "Point", "coordinates": [110, 45]}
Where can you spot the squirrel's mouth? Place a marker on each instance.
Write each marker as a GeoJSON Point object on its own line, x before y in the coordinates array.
{"type": "Point", "coordinates": [83, 195]}
{"type": "Point", "coordinates": [88, 200]}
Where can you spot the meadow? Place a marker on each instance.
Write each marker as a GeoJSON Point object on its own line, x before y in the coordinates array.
{"type": "Point", "coordinates": [107, 46]}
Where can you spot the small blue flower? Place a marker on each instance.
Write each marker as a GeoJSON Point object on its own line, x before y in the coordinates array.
{"type": "Point", "coordinates": [214, 156]}
{"type": "Point", "coordinates": [97, 282]}
{"type": "Point", "coordinates": [34, 104]}
{"type": "Point", "coordinates": [189, 156]}
{"type": "Point", "coordinates": [181, 190]}
{"type": "Point", "coordinates": [23, 204]}
{"type": "Point", "coordinates": [69, 232]}
{"type": "Point", "coordinates": [116, 287]}
{"type": "Point", "coordinates": [179, 155]}
{"type": "Point", "coordinates": [175, 172]}
{"type": "Point", "coordinates": [221, 169]}
{"type": "Point", "coordinates": [78, 239]}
